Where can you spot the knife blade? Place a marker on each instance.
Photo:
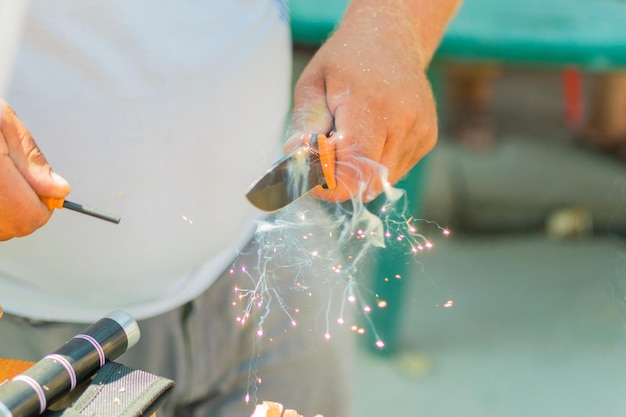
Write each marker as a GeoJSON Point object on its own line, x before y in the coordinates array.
{"type": "Point", "coordinates": [294, 175]}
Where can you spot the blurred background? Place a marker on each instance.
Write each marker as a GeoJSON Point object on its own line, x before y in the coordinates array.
{"type": "Point", "coordinates": [521, 310]}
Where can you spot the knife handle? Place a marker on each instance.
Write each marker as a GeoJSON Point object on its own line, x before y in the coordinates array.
{"type": "Point", "coordinates": [327, 160]}
{"type": "Point", "coordinates": [52, 202]}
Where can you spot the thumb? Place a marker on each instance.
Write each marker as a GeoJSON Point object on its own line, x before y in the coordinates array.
{"type": "Point", "coordinates": [310, 115]}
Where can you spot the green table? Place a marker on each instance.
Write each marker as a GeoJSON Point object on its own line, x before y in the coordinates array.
{"type": "Point", "coordinates": [590, 35]}
{"type": "Point", "coordinates": [586, 34]}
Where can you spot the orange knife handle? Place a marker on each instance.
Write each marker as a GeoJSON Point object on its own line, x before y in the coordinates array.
{"type": "Point", "coordinates": [52, 202]}
{"type": "Point", "coordinates": [327, 159]}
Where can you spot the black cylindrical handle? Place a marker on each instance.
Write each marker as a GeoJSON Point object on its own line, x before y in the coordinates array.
{"type": "Point", "coordinates": [30, 393]}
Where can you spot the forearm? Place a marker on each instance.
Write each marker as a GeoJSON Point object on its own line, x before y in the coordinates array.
{"type": "Point", "coordinates": [419, 24]}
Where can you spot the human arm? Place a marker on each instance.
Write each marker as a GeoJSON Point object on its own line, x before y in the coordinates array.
{"type": "Point", "coordinates": [24, 176]}
{"type": "Point", "coordinates": [368, 84]}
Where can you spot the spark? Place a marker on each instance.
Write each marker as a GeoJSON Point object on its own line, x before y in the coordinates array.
{"type": "Point", "coordinates": [316, 251]}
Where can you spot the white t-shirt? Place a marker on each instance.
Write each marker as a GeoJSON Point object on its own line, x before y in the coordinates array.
{"type": "Point", "coordinates": [160, 112]}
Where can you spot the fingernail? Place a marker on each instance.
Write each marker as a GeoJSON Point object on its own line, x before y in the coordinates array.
{"type": "Point", "coordinates": [58, 179]}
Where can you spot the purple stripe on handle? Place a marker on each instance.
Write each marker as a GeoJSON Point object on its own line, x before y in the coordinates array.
{"type": "Point", "coordinates": [37, 388]}
{"type": "Point", "coordinates": [68, 368]}
{"type": "Point", "coordinates": [95, 344]}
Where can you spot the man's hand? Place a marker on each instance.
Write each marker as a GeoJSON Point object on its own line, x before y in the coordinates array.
{"type": "Point", "coordinates": [24, 176]}
{"type": "Point", "coordinates": [367, 83]}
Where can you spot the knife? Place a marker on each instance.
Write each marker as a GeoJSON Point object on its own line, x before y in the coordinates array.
{"type": "Point", "coordinates": [294, 175]}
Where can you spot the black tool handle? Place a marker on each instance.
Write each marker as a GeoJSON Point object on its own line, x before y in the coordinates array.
{"type": "Point", "coordinates": [30, 393]}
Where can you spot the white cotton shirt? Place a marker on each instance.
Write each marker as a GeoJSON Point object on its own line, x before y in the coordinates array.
{"type": "Point", "coordinates": [160, 112]}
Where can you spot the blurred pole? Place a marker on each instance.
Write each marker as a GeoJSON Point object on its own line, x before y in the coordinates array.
{"type": "Point", "coordinates": [573, 97]}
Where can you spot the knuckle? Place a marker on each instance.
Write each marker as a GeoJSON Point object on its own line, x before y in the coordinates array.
{"type": "Point", "coordinates": [33, 153]}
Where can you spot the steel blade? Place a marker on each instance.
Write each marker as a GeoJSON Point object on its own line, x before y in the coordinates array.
{"type": "Point", "coordinates": [289, 179]}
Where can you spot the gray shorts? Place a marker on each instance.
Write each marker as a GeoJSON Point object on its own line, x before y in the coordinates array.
{"type": "Point", "coordinates": [215, 360]}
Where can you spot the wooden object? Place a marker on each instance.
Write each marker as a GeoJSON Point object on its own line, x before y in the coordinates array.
{"type": "Point", "coordinates": [12, 367]}
{"type": "Point", "coordinates": [273, 409]}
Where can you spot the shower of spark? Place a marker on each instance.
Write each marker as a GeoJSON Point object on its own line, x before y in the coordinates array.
{"type": "Point", "coordinates": [313, 250]}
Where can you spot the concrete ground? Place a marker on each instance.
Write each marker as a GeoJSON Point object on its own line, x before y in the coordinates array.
{"type": "Point", "coordinates": [538, 323]}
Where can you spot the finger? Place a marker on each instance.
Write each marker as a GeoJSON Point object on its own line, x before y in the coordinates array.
{"type": "Point", "coordinates": [358, 145]}
{"type": "Point", "coordinates": [357, 178]}
{"type": "Point", "coordinates": [311, 113]}
{"type": "Point", "coordinates": [364, 182]}
{"type": "Point", "coordinates": [402, 154]}
{"type": "Point", "coordinates": [27, 158]}
{"type": "Point", "coordinates": [399, 159]}
{"type": "Point", "coordinates": [21, 211]}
